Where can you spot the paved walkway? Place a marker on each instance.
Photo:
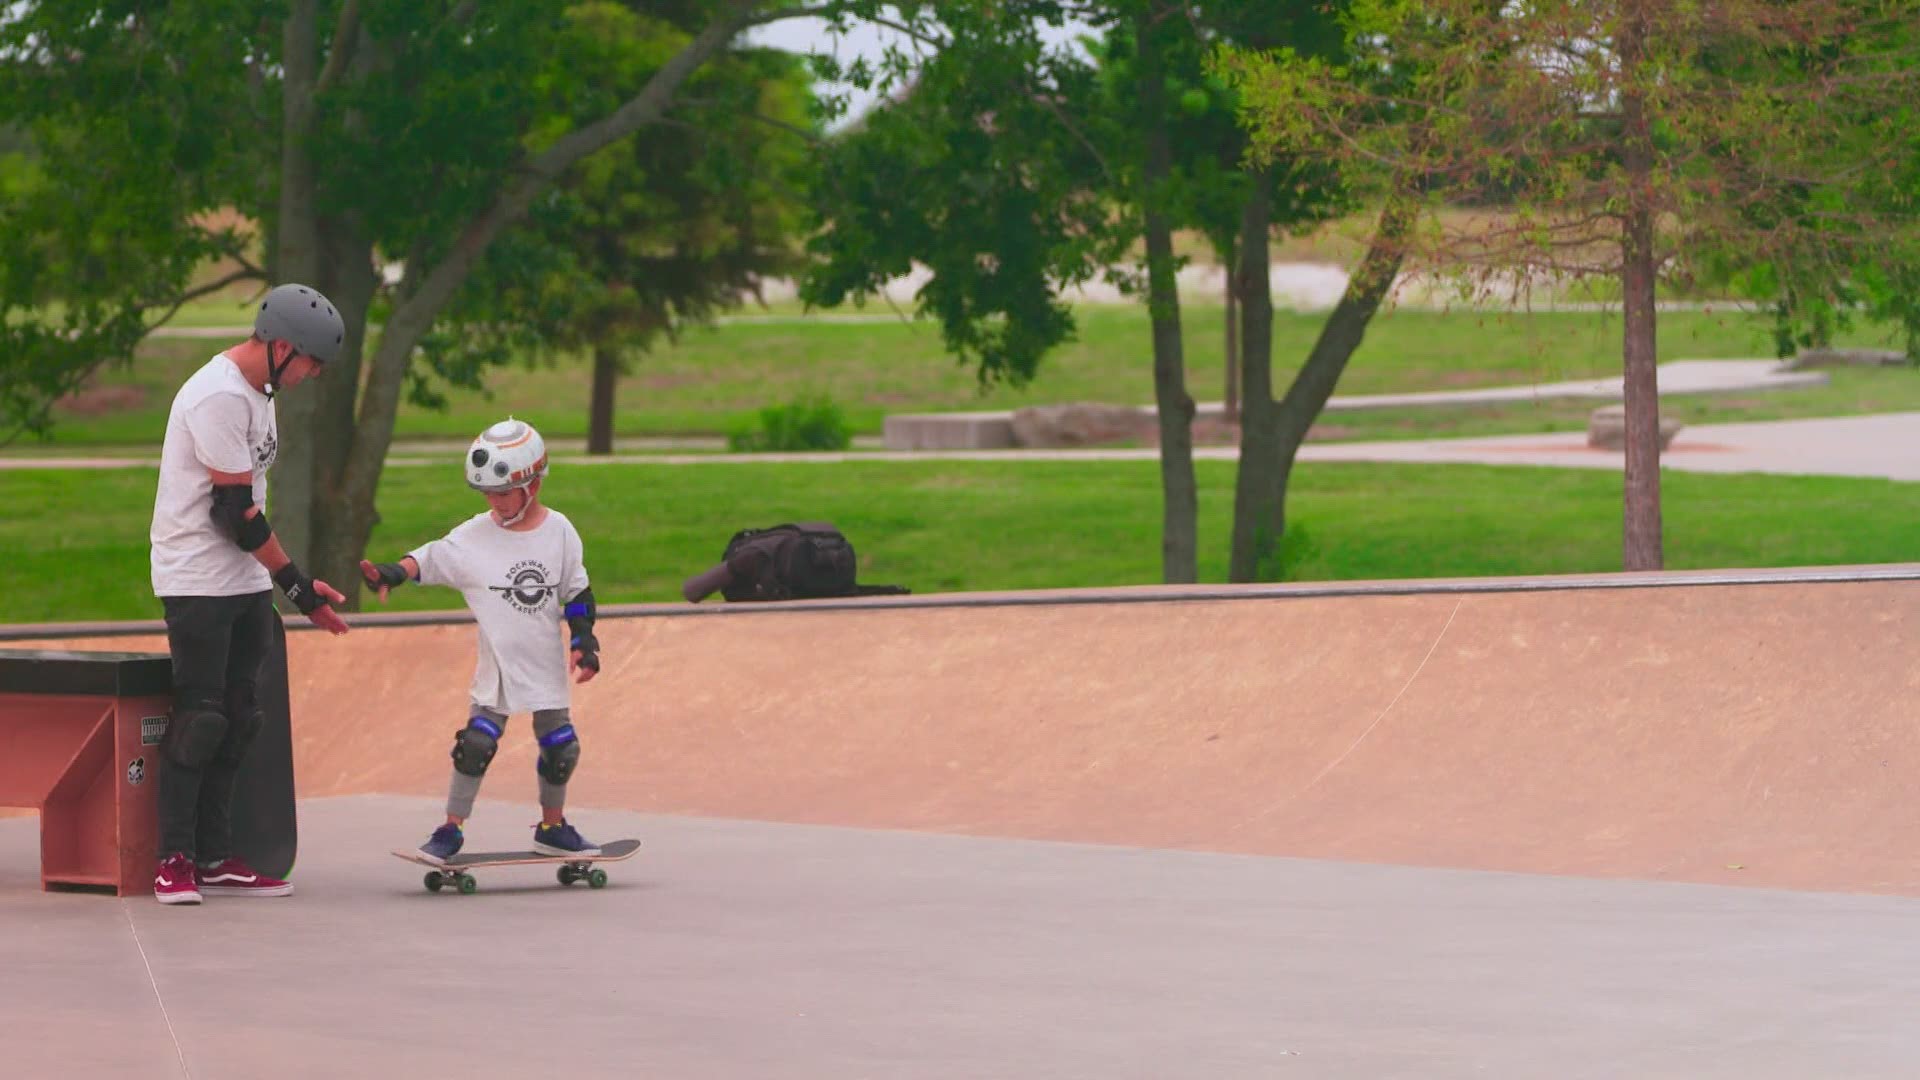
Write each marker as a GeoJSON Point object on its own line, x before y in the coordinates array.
{"type": "Point", "coordinates": [993, 429]}
{"type": "Point", "coordinates": [1676, 377]}
{"type": "Point", "coordinates": [1885, 445]}
{"type": "Point", "coordinates": [1294, 285]}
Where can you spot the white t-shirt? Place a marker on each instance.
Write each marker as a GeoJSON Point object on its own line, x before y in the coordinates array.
{"type": "Point", "coordinates": [218, 421]}
{"type": "Point", "coordinates": [517, 585]}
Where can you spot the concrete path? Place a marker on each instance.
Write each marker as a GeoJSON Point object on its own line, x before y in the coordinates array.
{"type": "Point", "coordinates": [1676, 377]}
{"type": "Point", "coordinates": [1294, 285]}
{"type": "Point", "coordinates": [993, 429]}
{"type": "Point", "coordinates": [1885, 445]}
{"type": "Point", "coordinates": [735, 949]}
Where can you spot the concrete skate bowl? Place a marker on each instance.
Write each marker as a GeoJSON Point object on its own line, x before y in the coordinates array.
{"type": "Point", "coordinates": [1734, 727]}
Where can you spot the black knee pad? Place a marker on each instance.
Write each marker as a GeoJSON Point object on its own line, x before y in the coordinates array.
{"type": "Point", "coordinates": [244, 721]}
{"type": "Point", "coordinates": [559, 753]}
{"type": "Point", "coordinates": [194, 736]}
{"type": "Point", "coordinates": [474, 746]}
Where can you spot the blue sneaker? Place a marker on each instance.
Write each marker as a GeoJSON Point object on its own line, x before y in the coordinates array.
{"type": "Point", "coordinates": [443, 844]}
{"type": "Point", "coordinates": [561, 839]}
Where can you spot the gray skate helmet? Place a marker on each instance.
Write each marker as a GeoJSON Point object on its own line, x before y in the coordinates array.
{"type": "Point", "coordinates": [305, 319]}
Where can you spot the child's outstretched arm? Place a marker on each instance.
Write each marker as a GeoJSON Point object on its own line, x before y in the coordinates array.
{"type": "Point", "coordinates": [389, 575]}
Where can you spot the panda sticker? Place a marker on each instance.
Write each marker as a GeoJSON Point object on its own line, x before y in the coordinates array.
{"type": "Point", "coordinates": [136, 771]}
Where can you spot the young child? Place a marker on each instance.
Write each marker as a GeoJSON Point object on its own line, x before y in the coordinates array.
{"type": "Point", "coordinates": [520, 567]}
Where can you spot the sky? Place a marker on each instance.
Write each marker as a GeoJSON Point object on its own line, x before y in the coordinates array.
{"type": "Point", "coordinates": [861, 40]}
{"type": "Point", "coordinates": [801, 36]}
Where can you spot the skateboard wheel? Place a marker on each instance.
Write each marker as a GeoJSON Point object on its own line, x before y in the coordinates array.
{"type": "Point", "coordinates": [567, 876]}
{"type": "Point", "coordinates": [597, 878]}
{"type": "Point", "coordinates": [468, 885]}
{"type": "Point", "coordinates": [432, 881]}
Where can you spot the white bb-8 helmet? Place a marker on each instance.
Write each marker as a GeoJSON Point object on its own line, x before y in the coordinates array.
{"type": "Point", "coordinates": [508, 455]}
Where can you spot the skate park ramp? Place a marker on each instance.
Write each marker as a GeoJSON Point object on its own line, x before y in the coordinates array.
{"type": "Point", "coordinates": [1750, 728]}
{"type": "Point", "coordinates": [1383, 829]}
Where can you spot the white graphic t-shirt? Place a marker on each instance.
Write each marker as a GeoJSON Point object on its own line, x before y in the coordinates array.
{"type": "Point", "coordinates": [218, 421]}
{"type": "Point", "coordinates": [517, 585]}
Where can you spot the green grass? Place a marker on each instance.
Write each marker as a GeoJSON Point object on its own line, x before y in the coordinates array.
{"type": "Point", "coordinates": [950, 526]}
{"type": "Point", "coordinates": [874, 368]}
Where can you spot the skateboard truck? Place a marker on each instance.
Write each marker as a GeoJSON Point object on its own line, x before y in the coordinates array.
{"type": "Point", "coordinates": [568, 873]}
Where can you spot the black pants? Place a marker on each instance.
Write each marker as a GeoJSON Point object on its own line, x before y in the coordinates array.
{"type": "Point", "coordinates": [218, 644]}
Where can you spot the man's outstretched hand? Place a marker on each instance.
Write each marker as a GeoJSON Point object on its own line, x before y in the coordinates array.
{"type": "Point", "coordinates": [324, 616]}
{"type": "Point", "coordinates": [312, 598]}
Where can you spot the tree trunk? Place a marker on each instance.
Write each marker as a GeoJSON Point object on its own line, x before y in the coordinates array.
{"type": "Point", "coordinates": [296, 256]}
{"type": "Point", "coordinates": [1230, 408]}
{"type": "Point", "coordinates": [340, 516]}
{"type": "Point", "coordinates": [606, 379]}
{"type": "Point", "coordinates": [1270, 445]}
{"type": "Point", "coordinates": [1256, 478]}
{"type": "Point", "coordinates": [350, 282]}
{"type": "Point", "coordinates": [347, 512]}
{"type": "Point", "coordinates": [1179, 542]}
{"type": "Point", "coordinates": [334, 255]}
{"type": "Point", "coordinates": [1641, 541]}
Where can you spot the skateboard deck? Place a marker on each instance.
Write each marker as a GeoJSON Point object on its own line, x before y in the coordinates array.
{"type": "Point", "coordinates": [265, 818]}
{"type": "Point", "coordinates": [572, 867]}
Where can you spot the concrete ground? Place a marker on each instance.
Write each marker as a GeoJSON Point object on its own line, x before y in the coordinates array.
{"type": "Point", "coordinates": [736, 949]}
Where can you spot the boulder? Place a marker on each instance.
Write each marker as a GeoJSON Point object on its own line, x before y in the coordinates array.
{"type": "Point", "coordinates": [1081, 424]}
{"type": "Point", "coordinates": [1826, 358]}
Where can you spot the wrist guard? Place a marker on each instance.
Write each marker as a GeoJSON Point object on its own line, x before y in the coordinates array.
{"type": "Point", "coordinates": [580, 614]}
{"type": "Point", "coordinates": [391, 574]}
{"type": "Point", "coordinates": [298, 587]}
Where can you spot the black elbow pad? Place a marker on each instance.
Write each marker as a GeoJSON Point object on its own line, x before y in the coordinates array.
{"type": "Point", "coordinates": [230, 505]}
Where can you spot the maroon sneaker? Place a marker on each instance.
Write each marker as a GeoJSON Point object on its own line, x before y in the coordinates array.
{"type": "Point", "coordinates": [233, 877]}
{"type": "Point", "coordinates": [175, 882]}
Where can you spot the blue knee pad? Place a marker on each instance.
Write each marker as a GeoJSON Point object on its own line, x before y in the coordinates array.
{"type": "Point", "coordinates": [474, 746]}
{"type": "Point", "coordinates": [559, 753]}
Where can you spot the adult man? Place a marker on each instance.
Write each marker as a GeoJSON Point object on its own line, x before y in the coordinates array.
{"type": "Point", "coordinates": [215, 560]}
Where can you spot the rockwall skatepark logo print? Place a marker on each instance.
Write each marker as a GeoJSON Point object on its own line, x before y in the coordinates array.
{"type": "Point", "coordinates": [136, 771]}
{"type": "Point", "coordinates": [265, 454]}
{"type": "Point", "coordinates": [530, 587]}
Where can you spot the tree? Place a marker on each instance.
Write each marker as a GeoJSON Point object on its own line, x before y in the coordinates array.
{"type": "Point", "coordinates": [645, 237]}
{"type": "Point", "coordinates": [1021, 188]}
{"type": "Point", "coordinates": [1212, 187]}
{"type": "Point", "coordinates": [1278, 191]}
{"type": "Point", "coordinates": [356, 133]}
{"type": "Point", "coordinates": [1629, 139]}
{"type": "Point", "coordinates": [104, 201]}
{"type": "Point", "coordinates": [1036, 170]}
{"type": "Point", "coordinates": [1153, 25]}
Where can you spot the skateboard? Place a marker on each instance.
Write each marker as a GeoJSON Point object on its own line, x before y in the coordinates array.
{"type": "Point", "coordinates": [572, 867]}
{"type": "Point", "coordinates": [265, 819]}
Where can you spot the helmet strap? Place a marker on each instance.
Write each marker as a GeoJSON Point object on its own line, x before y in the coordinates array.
{"type": "Point", "coordinates": [526, 504]}
{"type": "Point", "coordinates": [274, 371]}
